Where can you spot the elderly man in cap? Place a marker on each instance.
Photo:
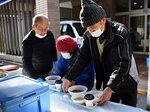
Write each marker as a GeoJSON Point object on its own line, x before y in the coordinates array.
{"type": "Point", "coordinates": [108, 44]}
{"type": "Point", "coordinates": [69, 50]}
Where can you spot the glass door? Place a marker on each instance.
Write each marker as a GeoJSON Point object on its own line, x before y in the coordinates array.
{"type": "Point", "coordinates": [148, 33]}
{"type": "Point", "coordinates": [137, 31]}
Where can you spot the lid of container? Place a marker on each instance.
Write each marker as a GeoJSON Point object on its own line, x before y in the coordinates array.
{"type": "Point", "coordinates": [58, 82]}
{"type": "Point", "coordinates": [89, 96]}
{"type": "Point", "coordinates": [18, 85]}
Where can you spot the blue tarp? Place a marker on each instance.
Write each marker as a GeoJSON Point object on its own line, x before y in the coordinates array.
{"type": "Point", "coordinates": [4, 2]}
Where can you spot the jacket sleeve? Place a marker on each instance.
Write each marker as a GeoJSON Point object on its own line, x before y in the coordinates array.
{"type": "Point", "coordinates": [27, 59]}
{"type": "Point", "coordinates": [87, 77]}
{"type": "Point", "coordinates": [61, 68]}
{"type": "Point", "coordinates": [83, 59]}
{"type": "Point", "coordinates": [121, 63]}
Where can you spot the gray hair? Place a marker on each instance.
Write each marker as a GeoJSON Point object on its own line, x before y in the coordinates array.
{"type": "Point", "coordinates": [39, 17]}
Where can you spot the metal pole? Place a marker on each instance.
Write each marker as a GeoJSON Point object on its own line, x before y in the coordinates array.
{"type": "Point", "coordinates": [19, 25]}
{"type": "Point", "coordinates": [1, 33]}
{"type": "Point", "coordinates": [148, 90]}
{"type": "Point", "coordinates": [6, 21]}
{"type": "Point", "coordinates": [4, 30]}
{"type": "Point", "coordinates": [16, 27]}
{"type": "Point", "coordinates": [23, 18]}
{"type": "Point", "coordinates": [27, 15]}
{"type": "Point", "coordinates": [12, 29]}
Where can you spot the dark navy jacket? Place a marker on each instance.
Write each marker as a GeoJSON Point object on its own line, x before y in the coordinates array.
{"type": "Point", "coordinates": [86, 78]}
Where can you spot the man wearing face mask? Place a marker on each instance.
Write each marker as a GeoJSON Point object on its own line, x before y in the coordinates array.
{"type": "Point", "coordinates": [69, 50]}
{"type": "Point", "coordinates": [107, 43]}
{"type": "Point", "coordinates": [39, 50]}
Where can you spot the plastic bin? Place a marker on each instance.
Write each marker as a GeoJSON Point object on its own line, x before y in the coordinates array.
{"type": "Point", "coordinates": [22, 94]}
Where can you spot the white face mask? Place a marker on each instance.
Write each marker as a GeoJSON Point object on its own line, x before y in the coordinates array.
{"type": "Point", "coordinates": [40, 36]}
{"type": "Point", "coordinates": [97, 33]}
{"type": "Point", "coordinates": [66, 55]}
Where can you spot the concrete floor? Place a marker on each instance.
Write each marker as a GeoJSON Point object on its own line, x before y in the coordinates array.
{"type": "Point", "coordinates": [143, 82]}
{"type": "Point", "coordinates": [142, 99]}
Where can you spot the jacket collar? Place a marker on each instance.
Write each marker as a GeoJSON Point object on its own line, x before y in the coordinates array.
{"type": "Point", "coordinates": [109, 34]}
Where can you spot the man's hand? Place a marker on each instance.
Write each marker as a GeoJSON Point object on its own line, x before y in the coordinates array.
{"type": "Point", "coordinates": [107, 93]}
{"type": "Point", "coordinates": [66, 84]}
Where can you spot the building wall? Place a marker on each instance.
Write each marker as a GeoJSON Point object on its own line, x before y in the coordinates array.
{"type": "Point", "coordinates": [67, 15]}
{"type": "Point", "coordinates": [21, 22]}
{"type": "Point", "coordinates": [23, 12]}
{"type": "Point", "coordinates": [15, 23]}
{"type": "Point", "coordinates": [109, 6]}
{"type": "Point", "coordinates": [76, 12]}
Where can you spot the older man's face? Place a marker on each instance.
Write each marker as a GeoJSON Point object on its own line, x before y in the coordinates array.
{"type": "Point", "coordinates": [98, 25]}
{"type": "Point", "coordinates": [41, 27]}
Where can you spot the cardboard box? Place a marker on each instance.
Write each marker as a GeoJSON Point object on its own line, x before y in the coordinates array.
{"type": "Point", "coordinates": [22, 94]}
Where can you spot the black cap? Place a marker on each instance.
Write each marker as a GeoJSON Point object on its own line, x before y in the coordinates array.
{"type": "Point", "coordinates": [91, 13]}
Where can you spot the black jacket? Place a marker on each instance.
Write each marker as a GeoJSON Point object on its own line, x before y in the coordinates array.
{"type": "Point", "coordinates": [38, 54]}
{"type": "Point", "coordinates": [117, 61]}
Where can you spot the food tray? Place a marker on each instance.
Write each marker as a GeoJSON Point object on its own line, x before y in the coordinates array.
{"type": "Point", "coordinates": [94, 92]}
